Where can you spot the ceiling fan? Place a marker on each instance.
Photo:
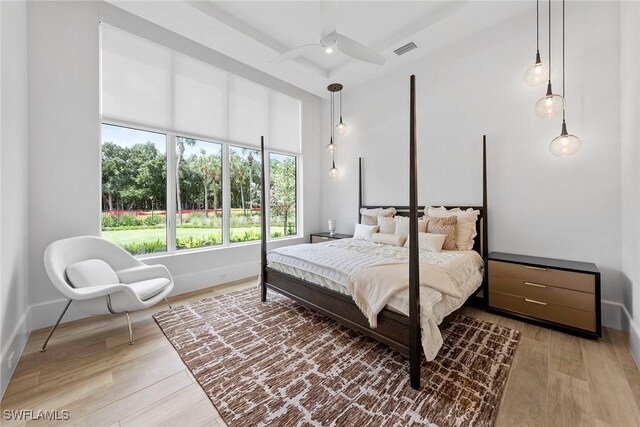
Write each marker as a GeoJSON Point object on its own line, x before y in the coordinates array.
{"type": "Point", "coordinates": [333, 41]}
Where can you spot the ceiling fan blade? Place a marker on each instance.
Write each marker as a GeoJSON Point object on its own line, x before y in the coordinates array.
{"type": "Point", "coordinates": [295, 52]}
{"type": "Point", "coordinates": [328, 16]}
{"type": "Point", "coordinates": [357, 50]}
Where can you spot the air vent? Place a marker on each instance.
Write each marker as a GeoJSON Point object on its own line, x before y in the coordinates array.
{"type": "Point", "coordinates": [406, 48]}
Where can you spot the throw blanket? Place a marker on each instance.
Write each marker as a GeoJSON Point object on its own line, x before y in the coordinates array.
{"type": "Point", "coordinates": [372, 287]}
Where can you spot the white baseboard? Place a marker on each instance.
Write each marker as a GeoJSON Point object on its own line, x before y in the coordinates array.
{"type": "Point", "coordinates": [45, 314]}
{"type": "Point", "coordinates": [13, 350]}
{"type": "Point", "coordinates": [626, 323]}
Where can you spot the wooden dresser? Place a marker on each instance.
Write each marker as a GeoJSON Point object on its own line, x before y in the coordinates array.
{"type": "Point", "coordinates": [553, 292]}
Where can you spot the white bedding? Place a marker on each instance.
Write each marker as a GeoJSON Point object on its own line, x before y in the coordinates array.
{"type": "Point", "coordinates": [330, 264]}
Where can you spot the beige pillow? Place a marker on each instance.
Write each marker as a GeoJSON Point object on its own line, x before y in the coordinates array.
{"type": "Point", "coordinates": [387, 225]}
{"type": "Point", "coordinates": [388, 239]}
{"type": "Point", "coordinates": [429, 242]}
{"type": "Point", "coordinates": [444, 226]}
{"type": "Point", "coordinates": [370, 216]}
{"type": "Point", "coordinates": [402, 225]}
{"type": "Point", "coordinates": [465, 227]}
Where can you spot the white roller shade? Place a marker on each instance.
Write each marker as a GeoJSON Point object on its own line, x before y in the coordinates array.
{"type": "Point", "coordinates": [284, 123]}
{"type": "Point", "coordinates": [200, 105]}
{"type": "Point", "coordinates": [248, 111]}
{"type": "Point", "coordinates": [145, 83]}
{"type": "Point", "coordinates": [136, 79]}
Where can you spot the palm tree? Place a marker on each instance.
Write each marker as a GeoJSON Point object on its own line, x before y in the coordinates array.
{"type": "Point", "coordinates": [181, 147]}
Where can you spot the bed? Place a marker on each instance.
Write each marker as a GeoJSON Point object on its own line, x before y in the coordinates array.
{"type": "Point", "coordinates": [329, 265]}
{"type": "Point", "coordinates": [315, 275]}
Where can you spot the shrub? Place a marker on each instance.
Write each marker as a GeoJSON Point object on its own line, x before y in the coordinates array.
{"type": "Point", "coordinates": [197, 242]}
{"type": "Point", "coordinates": [245, 237]}
{"type": "Point", "coordinates": [128, 220]}
{"type": "Point", "coordinates": [275, 234]}
{"type": "Point", "coordinates": [154, 220]}
{"type": "Point", "coordinates": [139, 248]}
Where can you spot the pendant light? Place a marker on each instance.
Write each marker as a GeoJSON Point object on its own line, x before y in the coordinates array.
{"type": "Point", "coordinates": [333, 172]}
{"type": "Point", "coordinates": [331, 147]}
{"type": "Point", "coordinates": [565, 144]}
{"type": "Point", "coordinates": [537, 74]}
{"type": "Point", "coordinates": [341, 127]}
{"type": "Point", "coordinates": [551, 105]}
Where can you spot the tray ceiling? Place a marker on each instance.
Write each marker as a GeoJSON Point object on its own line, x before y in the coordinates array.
{"type": "Point", "coordinates": [255, 32]}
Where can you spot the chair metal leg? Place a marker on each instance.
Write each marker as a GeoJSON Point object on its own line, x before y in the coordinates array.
{"type": "Point", "coordinates": [66, 307]}
{"type": "Point", "coordinates": [130, 329]}
{"type": "Point", "coordinates": [167, 301]}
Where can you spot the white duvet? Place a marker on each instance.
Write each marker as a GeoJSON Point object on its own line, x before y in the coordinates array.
{"type": "Point", "coordinates": [330, 264]}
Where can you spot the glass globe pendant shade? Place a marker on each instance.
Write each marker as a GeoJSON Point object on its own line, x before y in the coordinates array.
{"type": "Point", "coordinates": [331, 147]}
{"type": "Point", "coordinates": [551, 105]}
{"type": "Point", "coordinates": [341, 127]}
{"type": "Point", "coordinates": [333, 172]}
{"type": "Point", "coordinates": [565, 144]}
{"type": "Point", "coordinates": [537, 74]}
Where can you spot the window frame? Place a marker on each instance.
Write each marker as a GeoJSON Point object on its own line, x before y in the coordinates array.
{"type": "Point", "coordinates": [171, 145]}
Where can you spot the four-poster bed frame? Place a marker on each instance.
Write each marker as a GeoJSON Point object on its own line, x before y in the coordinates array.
{"type": "Point", "coordinates": [400, 332]}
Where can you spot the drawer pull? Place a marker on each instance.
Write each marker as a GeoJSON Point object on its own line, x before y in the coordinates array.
{"type": "Point", "coordinates": [535, 302]}
{"type": "Point", "coordinates": [535, 285]}
{"type": "Point", "coordinates": [535, 268]}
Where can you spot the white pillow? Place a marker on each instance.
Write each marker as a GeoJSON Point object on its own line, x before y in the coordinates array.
{"type": "Point", "coordinates": [429, 242]}
{"type": "Point", "coordinates": [92, 272]}
{"type": "Point", "coordinates": [387, 225]}
{"type": "Point", "coordinates": [402, 225]}
{"type": "Point", "coordinates": [465, 227]}
{"type": "Point", "coordinates": [388, 239]}
{"type": "Point", "coordinates": [364, 232]}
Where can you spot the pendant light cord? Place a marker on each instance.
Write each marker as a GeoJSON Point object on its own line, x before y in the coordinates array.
{"type": "Point", "coordinates": [340, 105]}
{"type": "Point", "coordinates": [332, 116]}
{"type": "Point", "coordinates": [549, 41]}
{"type": "Point", "coordinates": [563, 85]}
{"type": "Point", "coordinates": [538, 25]}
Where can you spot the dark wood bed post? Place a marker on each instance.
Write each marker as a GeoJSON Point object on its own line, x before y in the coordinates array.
{"type": "Point", "coordinates": [359, 187]}
{"type": "Point", "coordinates": [414, 273]}
{"type": "Point", "coordinates": [263, 246]}
{"type": "Point", "coordinates": [485, 223]}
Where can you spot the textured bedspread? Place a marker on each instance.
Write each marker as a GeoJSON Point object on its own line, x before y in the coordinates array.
{"type": "Point", "coordinates": [330, 264]}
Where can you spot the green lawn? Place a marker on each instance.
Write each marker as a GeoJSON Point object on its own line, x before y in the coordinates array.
{"type": "Point", "coordinates": [122, 237]}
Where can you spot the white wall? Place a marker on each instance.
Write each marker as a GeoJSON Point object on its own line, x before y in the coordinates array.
{"type": "Point", "coordinates": [630, 124]}
{"type": "Point", "coordinates": [14, 325]}
{"type": "Point", "coordinates": [64, 190]}
{"type": "Point", "coordinates": [538, 204]}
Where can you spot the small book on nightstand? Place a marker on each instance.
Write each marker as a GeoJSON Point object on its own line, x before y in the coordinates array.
{"type": "Point", "coordinates": [326, 236]}
{"type": "Point", "coordinates": [562, 294]}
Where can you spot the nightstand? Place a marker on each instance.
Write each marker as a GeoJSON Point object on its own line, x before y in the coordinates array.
{"type": "Point", "coordinates": [326, 236]}
{"type": "Point", "coordinates": [552, 292]}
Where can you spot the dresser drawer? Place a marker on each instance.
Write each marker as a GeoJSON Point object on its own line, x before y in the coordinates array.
{"type": "Point", "coordinates": [320, 239]}
{"type": "Point", "coordinates": [545, 293]}
{"type": "Point", "coordinates": [531, 307]}
{"type": "Point", "coordinates": [545, 276]}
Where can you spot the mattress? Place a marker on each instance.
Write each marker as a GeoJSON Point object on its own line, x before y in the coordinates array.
{"type": "Point", "coordinates": [329, 265]}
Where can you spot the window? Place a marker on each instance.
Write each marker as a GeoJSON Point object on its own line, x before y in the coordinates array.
{"type": "Point", "coordinates": [283, 204]}
{"type": "Point", "coordinates": [198, 193]}
{"type": "Point", "coordinates": [155, 102]}
{"type": "Point", "coordinates": [245, 182]}
{"type": "Point", "coordinates": [134, 176]}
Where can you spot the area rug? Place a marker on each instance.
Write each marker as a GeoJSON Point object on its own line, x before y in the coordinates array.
{"type": "Point", "coordinates": [281, 364]}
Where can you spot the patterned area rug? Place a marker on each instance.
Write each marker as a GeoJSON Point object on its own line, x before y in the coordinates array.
{"type": "Point", "coordinates": [280, 364]}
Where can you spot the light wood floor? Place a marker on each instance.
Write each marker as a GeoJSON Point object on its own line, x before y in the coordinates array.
{"type": "Point", "coordinates": [91, 371]}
